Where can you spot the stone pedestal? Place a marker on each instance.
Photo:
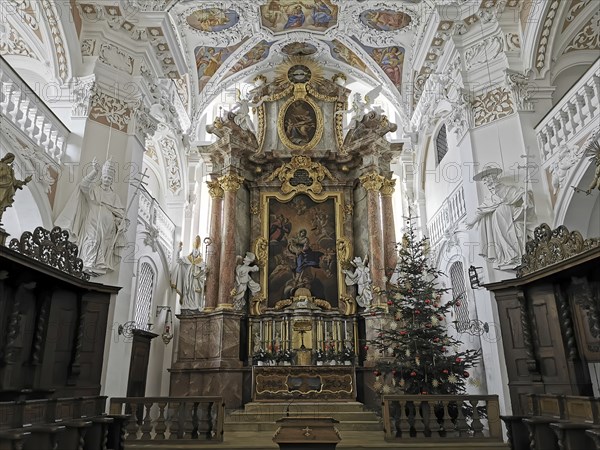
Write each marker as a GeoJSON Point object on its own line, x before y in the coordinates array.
{"type": "Point", "coordinates": [208, 357]}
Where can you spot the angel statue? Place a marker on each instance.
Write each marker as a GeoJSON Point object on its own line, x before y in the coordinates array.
{"type": "Point", "coordinates": [361, 108]}
{"type": "Point", "coordinates": [362, 278]}
{"type": "Point", "coordinates": [244, 281]}
{"type": "Point", "coordinates": [242, 112]}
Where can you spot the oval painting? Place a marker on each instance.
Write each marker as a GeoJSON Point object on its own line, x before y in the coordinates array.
{"type": "Point", "coordinates": [213, 19]}
{"type": "Point", "coordinates": [384, 19]}
{"type": "Point", "coordinates": [299, 49]}
{"type": "Point", "coordinates": [300, 124]}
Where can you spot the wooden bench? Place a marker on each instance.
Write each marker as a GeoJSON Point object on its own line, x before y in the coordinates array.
{"type": "Point", "coordinates": [66, 423]}
{"type": "Point", "coordinates": [554, 422]}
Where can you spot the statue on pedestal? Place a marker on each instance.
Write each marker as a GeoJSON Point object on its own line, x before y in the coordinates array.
{"type": "Point", "coordinates": [361, 277]}
{"type": "Point", "coordinates": [360, 108]}
{"type": "Point", "coordinates": [8, 186]}
{"type": "Point", "coordinates": [243, 280]}
{"type": "Point", "coordinates": [97, 220]}
{"type": "Point", "coordinates": [500, 220]}
{"type": "Point", "coordinates": [188, 277]}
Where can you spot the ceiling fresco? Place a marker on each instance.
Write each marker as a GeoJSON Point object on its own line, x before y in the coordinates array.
{"type": "Point", "coordinates": [208, 61]}
{"type": "Point", "coordinates": [299, 49]}
{"type": "Point", "coordinates": [385, 20]}
{"type": "Point", "coordinates": [390, 60]}
{"type": "Point", "coordinates": [213, 19]}
{"type": "Point", "coordinates": [342, 53]}
{"type": "Point", "coordinates": [289, 15]}
{"type": "Point", "coordinates": [255, 55]}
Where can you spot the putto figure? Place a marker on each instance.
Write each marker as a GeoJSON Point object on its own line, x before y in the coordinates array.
{"type": "Point", "coordinates": [188, 277]}
{"type": "Point", "coordinates": [244, 281]}
{"type": "Point", "coordinates": [96, 219]}
{"type": "Point", "coordinates": [9, 183]}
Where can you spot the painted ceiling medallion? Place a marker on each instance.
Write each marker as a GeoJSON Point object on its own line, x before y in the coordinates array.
{"type": "Point", "coordinates": [390, 60]}
{"type": "Point", "coordinates": [384, 19]}
{"type": "Point", "coordinates": [299, 49]}
{"type": "Point", "coordinates": [289, 15]}
{"type": "Point", "coordinates": [256, 54]}
{"type": "Point", "coordinates": [213, 19]}
{"type": "Point", "coordinates": [299, 74]}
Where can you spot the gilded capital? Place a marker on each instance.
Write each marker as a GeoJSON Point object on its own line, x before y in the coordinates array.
{"type": "Point", "coordinates": [388, 187]}
{"type": "Point", "coordinates": [372, 181]}
{"type": "Point", "coordinates": [231, 182]}
{"type": "Point", "coordinates": [214, 189]}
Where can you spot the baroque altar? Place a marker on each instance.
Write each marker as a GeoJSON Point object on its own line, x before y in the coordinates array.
{"type": "Point", "coordinates": [302, 234]}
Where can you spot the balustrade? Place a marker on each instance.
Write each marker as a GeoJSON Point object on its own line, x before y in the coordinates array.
{"type": "Point", "coordinates": [171, 418]}
{"type": "Point", "coordinates": [578, 109]}
{"type": "Point", "coordinates": [442, 416]}
{"type": "Point", "coordinates": [151, 214]}
{"type": "Point", "coordinates": [447, 216]}
{"type": "Point", "coordinates": [28, 113]}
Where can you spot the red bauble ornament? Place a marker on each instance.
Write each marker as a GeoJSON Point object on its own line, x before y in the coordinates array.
{"type": "Point", "coordinates": [443, 349]}
{"type": "Point", "coordinates": [436, 339]}
{"type": "Point", "coordinates": [466, 374]}
{"type": "Point", "coordinates": [413, 374]}
{"type": "Point", "coordinates": [445, 371]}
{"type": "Point", "coordinates": [366, 347]}
{"type": "Point", "coordinates": [440, 318]}
{"type": "Point", "coordinates": [376, 373]}
{"type": "Point", "coordinates": [390, 303]}
{"type": "Point", "coordinates": [458, 360]}
{"type": "Point", "coordinates": [417, 311]}
{"type": "Point", "coordinates": [424, 392]}
{"type": "Point", "coordinates": [457, 303]}
{"type": "Point", "coordinates": [402, 333]}
{"type": "Point", "coordinates": [393, 371]}
{"type": "Point", "coordinates": [427, 302]}
{"type": "Point", "coordinates": [427, 325]}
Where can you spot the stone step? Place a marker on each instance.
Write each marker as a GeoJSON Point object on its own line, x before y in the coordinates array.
{"type": "Point", "coordinates": [272, 426]}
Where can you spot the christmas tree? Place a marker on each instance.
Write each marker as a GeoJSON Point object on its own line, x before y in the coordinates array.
{"type": "Point", "coordinates": [417, 354]}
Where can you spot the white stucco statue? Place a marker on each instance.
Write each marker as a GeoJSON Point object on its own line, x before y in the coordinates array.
{"type": "Point", "coordinates": [500, 219]}
{"type": "Point", "coordinates": [188, 277]}
{"type": "Point", "coordinates": [242, 112]}
{"type": "Point", "coordinates": [361, 277]}
{"type": "Point", "coordinates": [95, 217]}
{"type": "Point", "coordinates": [360, 108]}
{"type": "Point", "coordinates": [243, 280]}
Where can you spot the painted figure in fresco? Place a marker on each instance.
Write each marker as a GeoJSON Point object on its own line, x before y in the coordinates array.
{"type": "Point", "coordinates": [390, 59]}
{"type": "Point", "coordinates": [254, 55]}
{"type": "Point", "coordinates": [9, 183]}
{"type": "Point", "coordinates": [188, 277]}
{"type": "Point", "coordinates": [243, 280]}
{"type": "Point", "coordinates": [499, 219]}
{"type": "Point", "coordinates": [95, 217]}
{"type": "Point", "coordinates": [299, 125]}
{"type": "Point", "coordinates": [305, 256]}
{"type": "Point", "coordinates": [321, 14]}
{"type": "Point", "coordinates": [279, 229]}
{"type": "Point", "coordinates": [386, 20]}
{"type": "Point", "coordinates": [343, 53]}
{"type": "Point", "coordinates": [212, 19]}
{"type": "Point", "coordinates": [296, 17]}
{"type": "Point", "coordinates": [361, 277]}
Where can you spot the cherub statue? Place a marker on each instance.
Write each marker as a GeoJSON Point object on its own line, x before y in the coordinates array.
{"type": "Point", "coordinates": [9, 183]}
{"type": "Point", "coordinates": [242, 112]}
{"type": "Point", "coordinates": [362, 278]}
{"type": "Point", "coordinates": [244, 281]}
{"type": "Point", "coordinates": [361, 108]}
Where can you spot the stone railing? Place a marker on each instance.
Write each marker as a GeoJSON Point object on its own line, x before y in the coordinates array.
{"type": "Point", "coordinates": [578, 109]}
{"type": "Point", "coordinates": [456, 417]}
{"type": "Point", "coordinates": [20, 105]}
{"type": "Point", "coordinates": [447, 216]}
{"type": "Point", "coordinates": [172, 418]}
{"type": "Point", "coordinates": [154, 218]}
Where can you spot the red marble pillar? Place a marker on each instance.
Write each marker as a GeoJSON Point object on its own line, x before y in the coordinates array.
{"type": "Point", "coordinates": [372, 182]}
{"type": "Point", "coordinates": [230, 184]}
{"type": "Point", "coordinates": [213, 258]}
{"type": "Point", "coordinates": [389, 227]}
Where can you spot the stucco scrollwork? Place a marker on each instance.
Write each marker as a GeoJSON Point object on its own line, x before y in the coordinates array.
{"type": "Point", "coordinates": [169, 151]}
{"type": "Point", "coordinates": [301, 170]}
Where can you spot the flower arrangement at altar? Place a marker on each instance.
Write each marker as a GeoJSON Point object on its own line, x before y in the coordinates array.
{"type": "Point", "coordinates": [285, 357]}
{"type": "Point", "coordinates": [319, 357]}
{"type": "Point", "coordinates": [261, 357]}
{"type": "Point", "coordinates": [346, 355]}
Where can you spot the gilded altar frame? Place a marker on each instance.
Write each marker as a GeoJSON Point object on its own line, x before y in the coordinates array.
{"type": "Point", "coordinates": [342, 251]}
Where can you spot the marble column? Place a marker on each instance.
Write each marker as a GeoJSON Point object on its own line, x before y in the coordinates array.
{"type": "Point", "coordinates": [230, 184]}
{"type": "Point", "coordinates": [213, 257]}
{"type": "Point", "coordinates": [389, 227]}
{"type": "Point", "coordinates": [373, 182]}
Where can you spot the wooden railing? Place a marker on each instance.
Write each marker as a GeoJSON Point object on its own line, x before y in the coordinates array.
{"type": "Point", "coordinates": [442, 416]}
{"type": "Point", "coordinates": [180, 418]}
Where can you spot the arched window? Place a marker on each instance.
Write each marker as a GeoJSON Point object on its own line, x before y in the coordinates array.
{"type": "Point", "coordinates": [441, 144]}
{"type": "Point", "coordinates": [143, 298]}
{"type": "Point", "coordinates": [459, 291]}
